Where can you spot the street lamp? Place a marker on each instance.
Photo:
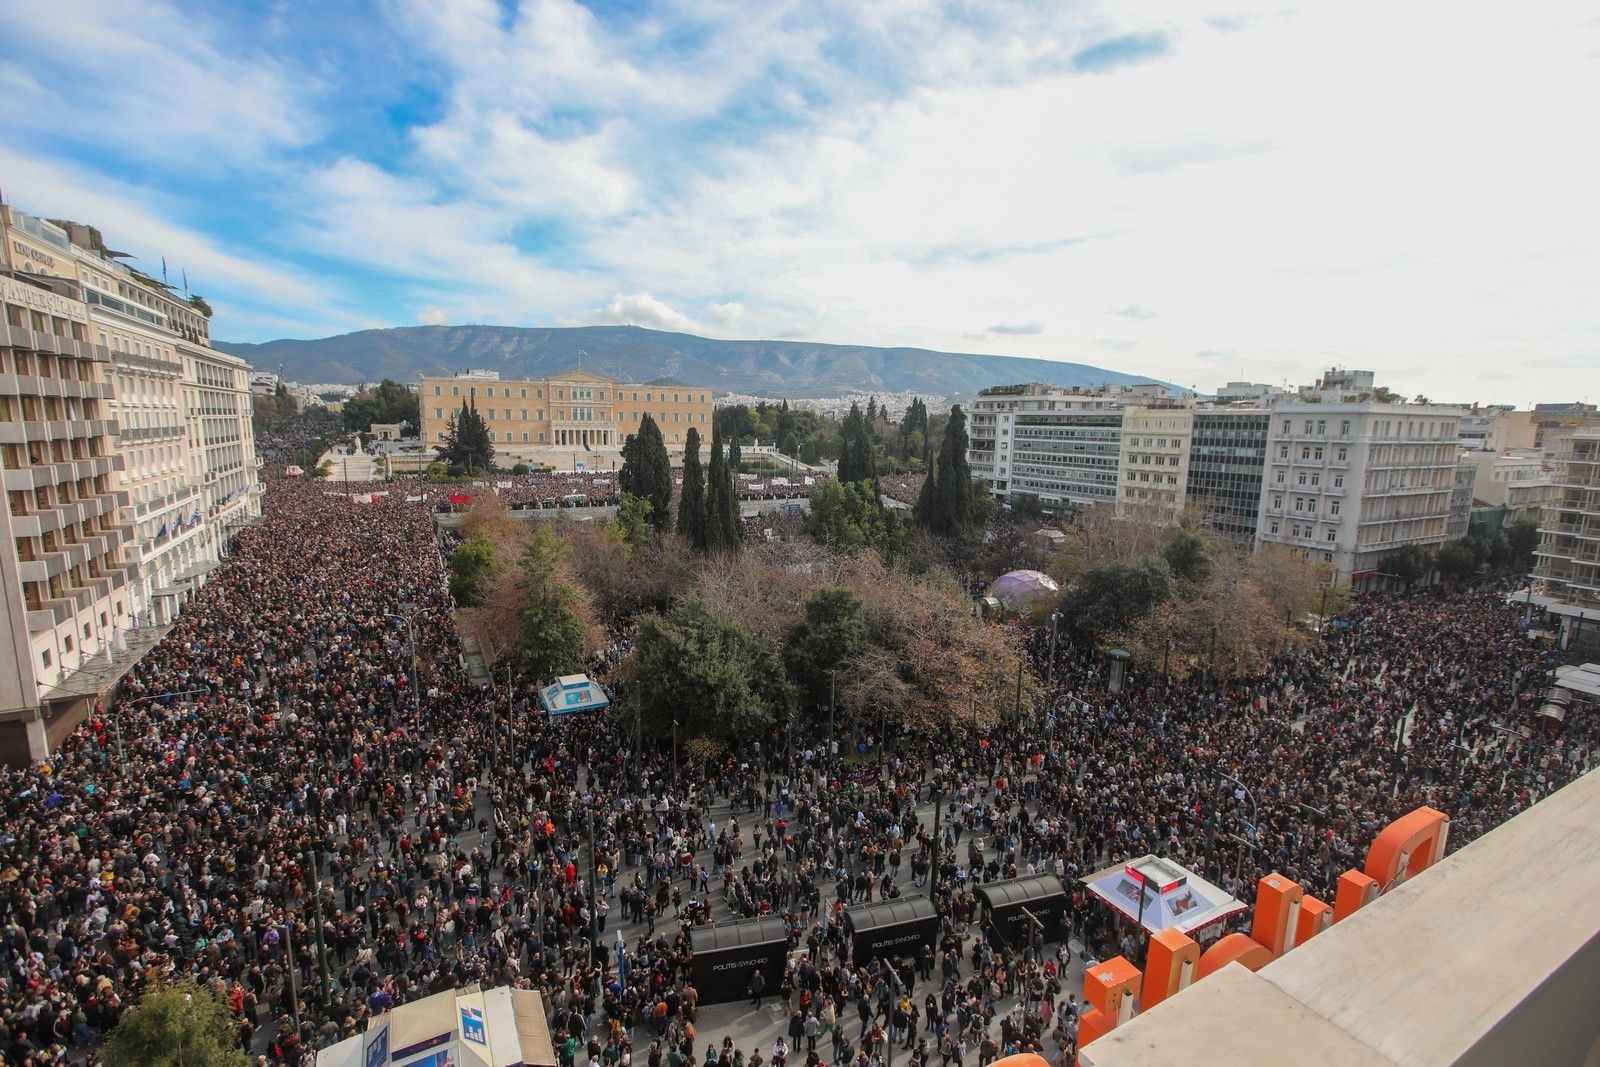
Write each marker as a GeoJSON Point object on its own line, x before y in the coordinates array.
{"type": "Point", "coordinates": [410, 619]}
{"type": "Point", "coordinates": [1255, 820]}
{"type": "Point", "coordinates": [1055, 617]}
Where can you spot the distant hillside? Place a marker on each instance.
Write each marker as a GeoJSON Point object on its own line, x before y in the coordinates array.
{"type": "Point", "coordinates": [629, 353]}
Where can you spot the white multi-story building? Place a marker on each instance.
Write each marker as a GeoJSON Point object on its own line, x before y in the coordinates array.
{"type": "Point", "coordinates": [66, 590]}
{"type": "Point", "coordinates": [1567, 561]}
{"type": "Point", "coordinates": [1058, 446]}
{"type": "Point", "coordinates": [142, 324]}
{"type": "Point", "coordinates": [1522, 480]}
{"type": "Point", "coordinates": [222, 458]}
{"type": "Point", "coordinates": [1350, 480]}
{"type": "Point", "coordinates": [1154, 459]}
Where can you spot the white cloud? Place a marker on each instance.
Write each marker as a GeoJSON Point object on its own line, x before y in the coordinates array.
{"type": "Point", "coordinates": [432, 316]}
{"type": "Point", "coordinates": [727, 314]}
{"type": "Point", "coordinates": [154, 83]}
{"type": "Point", "coordinates": [132, 219]}
{"type": "Point", "coordinates": [642, 309]}
{"type": "Point", "coordinates": [875, 172]}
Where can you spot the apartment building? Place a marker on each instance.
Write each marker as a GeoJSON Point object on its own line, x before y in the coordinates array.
{"type": "Point", "coordinates": [1059, 447]}
{"type": "Point", "coordinates": [1154, 456]}
{"type": "Point", "coordinates": [579, 417]}
{"type": "Point", "coordinates": [142, 323]}
{"type": "Point", "coordinates": [66, 589]}
{"type": "Point", "coordinates": [222, 451]}
{"type": "Point", "coordinates": [1521, 480]}
{"type": "Point", "coordinates": [1567, 561]}
{"type": "Point", "coordinates": [1227, 465]}
{"type": "Point", "coordinates": [1351, 479]}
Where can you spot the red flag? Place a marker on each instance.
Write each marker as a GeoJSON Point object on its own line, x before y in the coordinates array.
{"type": "Point", "coordinates": [460, 498]}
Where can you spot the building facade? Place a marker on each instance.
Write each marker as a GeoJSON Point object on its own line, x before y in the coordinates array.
{"type": "Point", "coordinates": [145, 325]}
{"type": "Point", "coordinates": [67, 592]}
{"type": "Point", "coordinates": [566, 419]}
{"type": "Point", "coordinates": [222, 451]}
{"type": "Point", "coordinates": [1350, 482]}
{"type": "Point", "coordinates": [1154, 456]}
{"type": "Point", "coordinates": [1227, 463]}
{"type": "Point", "coordinates": [1567, 561]}
{"type": "Point", "coordinates": [1059, 447]}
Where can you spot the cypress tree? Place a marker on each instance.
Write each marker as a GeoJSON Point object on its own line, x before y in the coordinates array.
{"type": "Point", "coordinates": [724, 531]}
{"type": "Point", "coordinates": [851, 462]}
{"type": "Point", "coordinates": [647, 471]}
{"type": "Point", "coordinates": [945, 504]}
{"type": "Point", "coordinates": [735, 456]}
{"type": "Point", "coordinates": [692, 501]}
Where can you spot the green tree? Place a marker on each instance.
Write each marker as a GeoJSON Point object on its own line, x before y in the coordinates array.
{"type": "Point", "coordinates": [1455, 561]}
{"type": "Point", "coordinates": [1409, 563]}
{"type": "Point", "coordinates": [833, 631]}
{"type": "Point", "coordinates": [647, 471]}
{"type": "Point", "coordinates": [1188, 555]}
{"type": "Point", "coordinates": [174, 1025]}
{"type": "Point", "coordinates": [1522, 537]}
{"type": "Point", "coordinates": [466, 440]}
{"type": "Point", "coordinates": [724, 528]}
{"type": "Point", "coordinates": [709, 674]}
{"type": "Point", "coordinates": [947, 502]}
{"type": "Point", "coordinates": [632, 523]}
{"type": "Point", "coordinates": [471, 568]}
{"type": "Point", "coordinates": [847, 515]}
{"type": "Point", "coordinates": [551, 642]}
{"type": "Point", "coordinates": [386, 402]}
{"type": "Point", "coordinates": [735, 456]}
{"type": "Point", "coordinates": [692, 500]}
{"type": "Point", "coordinates": [791, 444]}
{"type": "Point", "coordinates": [1107, 599]}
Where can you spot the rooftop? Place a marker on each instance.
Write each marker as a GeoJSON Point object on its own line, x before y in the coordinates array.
{"type": "Point", "coordinates": [1491, 956]}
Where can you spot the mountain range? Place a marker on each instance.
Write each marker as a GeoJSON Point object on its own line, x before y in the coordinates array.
{"type": "Point", "coordinates": [631, 353]}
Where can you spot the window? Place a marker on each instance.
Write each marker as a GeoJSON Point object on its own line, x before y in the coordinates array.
{"type": "Point", "coordinates": [1316, 453]}
{"type": "Point", "coordinates": [1274, 527]}
{"type": "Point", "coordinates": [45, 657]}
{"type": "Point", "coordinates": [1333, 508]}
{"type": "Point", "coordinates": [1277, 501]}
{"type": "Point", "coordinates": [438, 413]}
{"type": "Point", "coordinates": [455, 390]}
{"type": "Point", "coordinates": [1342, 455]}
{"type": "Point", "coordinates": [1344, 426]}
{"type": "Point", "coordinates": [541, 437]}
{"type": "Point", "coordinates": [1322, 427]}
{"type": "Point", "coordinates": [1333, 534]}
{"type": "Point", "coordinates": [1283, 451]}
{"type": "Point", "coordinates": [524, 394]}
{"type": "Point", "coordinates": [1338, 481]}
{"type": "Point", "coordinates": [1308, 426]}
{"type": "Point", "coordinates": [1305, 452]}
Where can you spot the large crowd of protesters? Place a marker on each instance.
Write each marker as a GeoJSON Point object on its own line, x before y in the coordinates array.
{"type": "Point", "coordinates": [299, 800]}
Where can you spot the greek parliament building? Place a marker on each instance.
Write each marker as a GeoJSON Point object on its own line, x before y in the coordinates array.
{"type": "Point", "coordinates": [128, 459]}
{"type": "Point", "coordinates": [567, 419]}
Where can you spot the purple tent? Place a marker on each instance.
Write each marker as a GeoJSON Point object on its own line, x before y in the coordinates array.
{"type": "Point", "coordinates": [1020, 591]}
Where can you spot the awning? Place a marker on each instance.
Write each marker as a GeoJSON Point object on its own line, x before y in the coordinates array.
{"type": "Point", "coordinates": [96, 677]}
{"type": "Point", "coordinates": [189, 574]}
{"type": "Point", "coordinates": [1584, 679]}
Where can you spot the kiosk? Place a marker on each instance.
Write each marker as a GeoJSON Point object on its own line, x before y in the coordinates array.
{"type": "Point", "coordinates": [1011, 908]}
{"type": "Point", "coordinates": [890, 928]}
{"type": "Point", "coordinates": [727, 955]}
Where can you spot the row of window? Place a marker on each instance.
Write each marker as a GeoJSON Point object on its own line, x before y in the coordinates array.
{"type": "Point", "coordinates": [582, 415]}
{"type": "Point", "coordinates": [578, 393]}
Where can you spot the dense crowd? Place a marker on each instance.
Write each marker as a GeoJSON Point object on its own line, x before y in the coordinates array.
{"type": "Point", "coordinates": [286, 803]}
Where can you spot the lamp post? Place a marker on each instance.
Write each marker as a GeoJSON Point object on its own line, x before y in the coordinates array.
{"type": "Point", "coordinates": [1055, 618]}
{"type": "Point", "coordinates": [833, 711]}
{"type": "Point", "coordinates": [410, 619]}
{"type": "Point", "coordinates": [675, 770]}
{"type": "Point", "coordinates": [1255, 819]}
{"type": "Point", "coordinates": [594, 878]}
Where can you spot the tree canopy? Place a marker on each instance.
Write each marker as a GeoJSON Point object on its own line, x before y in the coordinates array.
{"type": "Point", "coordinates": [552, 635]}
{"type": "Point", "coordinates": [833, 631]}
{"type": "Point", "coordinates": [647, 471]}
{"type": "Point", "coordinates": [471, 567]}
{"type": "Point", "coordinates": [724, 528]}
{"type": "Point", "coordinates": [466, 440]}
{"type": "Point", "coordinates": [180, 1024]}
{"type": "Point", "coordinates": [692, 499]}
{"type": "Point", "coordinates": [708, 673]}
{"type": "Point", "coordinates": [386, 402]}
{"type": "Point", "coordinates": [946, 503]}
{"type": "Point", "coordinates": [850, 515]}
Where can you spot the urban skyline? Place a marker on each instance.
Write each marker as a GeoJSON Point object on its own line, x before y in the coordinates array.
{"type": "Point", "coordinates": [1013, 182]}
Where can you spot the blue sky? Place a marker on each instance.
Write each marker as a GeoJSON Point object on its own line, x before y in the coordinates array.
{"type": "Point", "coordinates": [1194, 190]}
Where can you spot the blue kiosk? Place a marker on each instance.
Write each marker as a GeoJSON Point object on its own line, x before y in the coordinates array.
{"type": "Point", "coordinates": [571, 693]}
